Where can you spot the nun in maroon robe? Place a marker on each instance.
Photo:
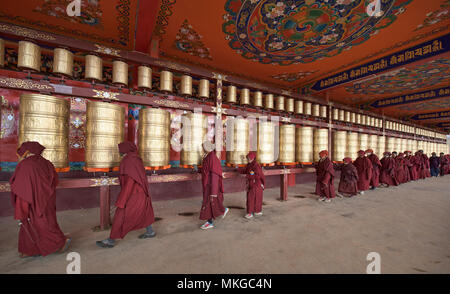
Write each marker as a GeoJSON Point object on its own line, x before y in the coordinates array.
{"type": "Point", "coordinates": [255, 185]}
{"type": "Point", "coordinates": [364, 167]}
{"type": "Point", "coordinates": [212, 205]}
{"type": "Point", "coordinates": [33, 196]}
{"type": "Point", "coordinates": [387, 172]}
{"type": "Point", "coordinates": [134, 208]}
{"type": "Point", "coordinates": [400, 169]}
{"type": "Point", "coordinates": [325, 177]}
{"type": "Point", "coordinates": [376, 165]}
{"type": "Point", "coordinates": [348, 183]}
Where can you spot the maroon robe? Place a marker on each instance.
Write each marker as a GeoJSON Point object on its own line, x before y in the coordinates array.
{"type": "Point", "coordinates": [325, 178]}
{"type": "Point", "coordinates": [134, 205]}
{"type": "Point", "coordinates": [211, 170]}
{"type": "Point", "coordinates": [349, 179]}
{"type": "Point", "coordinates": [387, 172]}
{"type": "Point", "coordinates": [400, 169]}
{"type": "Point", "coordinates": [255, 184]}
{"type": "Point", "coordinates": [364, 167]}
{"type": "Point", "coordinates": [413, 175]}
{"type": "Point", "coordinates": [426, 166]}
{"type": "Point", "coordinates": [407, 165]}
{"type": "Point", "coordinates": [420, 166]}
{"type": "Point", "coordinates": [376, 165]}
{"type": "Point", "coordinates": [33, 196]}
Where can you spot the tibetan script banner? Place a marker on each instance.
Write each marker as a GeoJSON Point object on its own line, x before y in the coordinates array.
{"type": "Point", "coordinates": [413, 97]}
{"type": "Point", "coordinates": [431, 115]}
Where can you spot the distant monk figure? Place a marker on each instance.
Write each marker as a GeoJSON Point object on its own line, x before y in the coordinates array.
{"type": "Point", "coordinates": [33, 196]}
{"type": "Point", "coordinates": [426, 168]}
{"type": "Point", "coordinates": [348, 183]}
{"type": "Point", "coordinates": [434, 165]}
{"type": "Point", "coordinates": [255, 186]}
{"type": "Point", "coordinates": [134, 205]}
{"type": "Point", "coordinates": [376, 165]}
{"type": "Point", "coordinates": [420, 165]}
{"type": "Point", "coordinates": [412, 169]}
{"type": "Point", "coordinates": [325, 177]}
{"type": "Point", "coordinates": [400, 168]}
{"type": "Point", "coordinates": [212, 206]}
{"type": "Point", "coordinates": [387, 173]}
{"type": "Point", "coordinates": [442, 164]}
{"type": "Point", "coordinates": [364, 167]}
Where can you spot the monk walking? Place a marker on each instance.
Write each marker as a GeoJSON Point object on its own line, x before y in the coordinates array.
{"type": "Point", "coordinates": [348, 183]}
{"type": "Point", "coordinates": [212, 206]}
{"type": "Point", "coordinates": [325, 177]}
{"type": "Point", "coordinates": [400, 168]}
{"type": "Point", "coordinates": [364, 167]}
{"type": "Point", "coordinates": [134, 205]}
{"type": "Point", "coordinates": [376, 165]}
{"type": "Point", "coordinates": [387, 172]}
{"type": "Point", "coordinates": [255, 186]}
{"type": "Point", "coordinates": [442, 163]}
{"type": "Point", "coordinates": [33, 195]}
{"type": "Point", "coordinates": [426, 165]}
{"type": "Point", "coordinates": [412, 169]}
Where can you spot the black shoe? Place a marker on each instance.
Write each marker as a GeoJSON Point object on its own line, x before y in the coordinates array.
{"type": "Point", "coordinates": [147, 235]}
{"type": "Point", "coordinates": [104, 244]}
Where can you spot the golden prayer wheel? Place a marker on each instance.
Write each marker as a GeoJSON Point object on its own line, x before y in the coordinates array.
{"type": "Point", "coordinates": [290, 105]}
{"type": "Point", "coordinates": [320, 142]}
{"type": "Point", "coordinates": [144, 77]}
{"type": "Point", "coordinates": [352, 145]}
{"type": "Point", "coordinates": [45, 119]}
{"type": "Point", "coordinates": [358, 118]}
{"type": "Point", "coordinates": [364, 119]}
{"type": "Point", "coordinates": [347, 116]}
{"type": "Point", "coordinates": [323, 111]}
{"type": "Point", "coordinates": [268, 102]}
{"type": "Point", "coordinates": [203, 88]}
{"type": "Point", "coordinates": [341, 115]}
{"type": "Point", "coordinates": [186, 85]}
{"type": "Point", "coordinates": [287, 144]}
{"type": "Point", "coordinates": [316, 110]}
{"type": "Point", "coordinates": [339, 146]}
{"type": "Point", "coordinates": [372, 122]}
{"type": "Point", "coordinates": [29, 56]}
{"type": "Point", "coordinates": [373, 143]}
{"type": "Point", "coordinates": [335, 114]}
{"type": "Point", "coordinates": [381, 145]}
{"type": "Point", "coordinates": [245, 96]}
{"type": "Point", "coordinates": [279, 103]}
{"type": "Point", "coordinates": [154, 137]}
{"type": "Point", "coordinates": [353, 118]}
{"type": "Point", "coordinates": [307, 108]}
{"type": "Point", "coordinates": [304, 152]}
{"type": "Point", "coordinates": [104, 131]}
{"type": "Point", "coordinates": [231, 94]}
{"type": "Point", "coordinates": [363, 141]}
{"type": "Point", "coordinates": [398, 145]}
{"type": "Point", "coordinates": [404, 145]}
{"type": "Point", "coordinates": [2, 52]}
{"type": "Point", "coordinates": [166, 81]}
{"type": "Point", "coordinates": [193, 132]}
{"type": "Point", "coordinates": [93, 68]}
{"type": "Point", "coordinates": [63, 62]}
{"type": "Point", "coordinates": [120, 73]}
{"type": "Point", "coordinates": [298, 107]}
{"type": "Point", "coordinates": [410, 145]}
{"type": "Point", "coordinates": [420, 145]}
{"type": "Point", "coordinates": [258, 99]}
{"type": "Point", "coordinates": [239, 138]}
{"type": "Point", "coordinates": [266, 142]}
{"type": "Point", "coordinates": [390, 146]}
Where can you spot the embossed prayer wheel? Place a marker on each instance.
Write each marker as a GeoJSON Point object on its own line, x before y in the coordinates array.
{"type": "Point", "coordinates": [381, 146]}
{"type": "Point", "coordinates": [298, 107]}
{"type": "Point", "coordinates": [410, 145]}
{"type": "Point", "coordinates": [2, 52]}
{"type": "Point", "coordinates": [154, 137]}
{"type": "Point", "coordinates": [63, 62]}
{"type": "Point", "coordinates": [335, 114]}
{"type": "Point", "coordinates": [120, 73]}
{"type": "Point", "coordinates": [420, 145]}
{"type": "Point", "coordinates": [364, 119]}
{"type": "Point", "coordinates": [290, 105]}
{"type": "Point", "coordinates": [398, 145]}
{"type": "Point", "coordinates": [404, 145]}
{"type": "Point", "coordinates": [358, 118]}
{"type": "Point", "coordinates": [390, 146]}
{"type": "Point", "coordinates": [341, 115]}
{"type": "Point", "coordinates": [339, 145]}
{"type": "Point", "coordinates": [186, 85]}
{"type": "Point", "coordinates": [304, 142]}
{"type": "Point", "coordinates": [193, 132]}
{"type": "Point", "coordinates": [323, 111]}
{"type": "Point", "coordinates": [45, 119]}
{"type": "Point", "coordinates": [287, 144]}
{"type": "Point", "coordinates": [166, 81]}
{"type": "Point", "coordinates": [353, 118]}
{"type": "Point", "coordinates": [363, 141]}
{"type": "Point", "coordinates": [144, 77]}
{"type": "Point", "coordinates": [352, 145]}
{"type": "Point", "coordinates": [347, 116]}
{"type": "Point", "coordinates": [372, 121]}
{"type": "Point", "coordinates": [29, 56]}
{"type": "Point", "coordinates": [307, 108]}
{"type": "Point", "coordinates": [373, 143]}
{"type": "Point", "coordinates": [203, 88]}
{"type": "Point", "coordinates": [415, 146]}
{"type": "Point", "coordinates": [239, 138]}
{"type": "Point", "coordinates": [316, 110]}
{"type": "Point", "coordinates": [279, 103]}
{"type": "Point", "coordinates": [258, 99]}
{"type": "Point", "coordinates": [104, 131]}
{"type": "Point", "coordinates": [266, 142]}
{"type": "Point", "coordinates": [245, 96]}
{"type": "Point", "coordinates": [93, 68]}
{"type": "Point", "coordinates": [320, 142]}
{"type": "Point", "coordinates": [231, 94]}
{"type": "Point", "coordinates": [268, 101]}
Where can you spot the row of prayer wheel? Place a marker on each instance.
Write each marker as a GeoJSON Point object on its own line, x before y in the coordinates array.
{"type": "Point", "coordinates": [356, 118]}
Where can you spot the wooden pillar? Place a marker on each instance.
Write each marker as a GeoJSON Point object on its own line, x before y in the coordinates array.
{"type": "Point", "coordinates": [105, 200]}
{"type": "Point", "coordinates": [283, 187]}
{"type": "Point", "coordinates": [218, 136]}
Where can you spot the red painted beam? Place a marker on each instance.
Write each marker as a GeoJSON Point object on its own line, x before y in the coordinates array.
{"type": "Point", "coordinates": [146, 21]}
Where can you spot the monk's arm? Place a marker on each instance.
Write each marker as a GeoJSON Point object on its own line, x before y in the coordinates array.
{"type": "Point", "coordinates": [214, 184]}
{"type": "Point", "coordinates": [125, 192]}
{"type": "Point", "coordinates": [21, 209]}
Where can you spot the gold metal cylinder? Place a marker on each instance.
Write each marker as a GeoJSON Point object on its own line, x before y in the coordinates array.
{"type": "Point", "coordinates": [287, 144]}
{"type": "Point", "coordinates": [390, 146]}
{"type": "Point", "coordinates": [410, 144]}
{"type": "Point", "coordinates": [120, 73]}
{"type": "Point", "coordinates": [316, 109]}
{"type": "Point", "coordinates": [323, 111]}
{"type": "Point", "coordinates": [363, 140]}
{"type": "Point", "coordinates": [193, 132]}
{"type": "Point", "coordinates": [398, 144]}
{"type": "Point", "coordinates": [352, 145]}
{"type": "Point", "coordinates": [307, 108]}
{"type": "Point", "coordinates": [231, 94]}
{"type": "Point", "coordinates": [268, 101]}
{"type": "Point", "coordinates": [2, 52]}
{"type": "Point", "coordinates": [363, 119]}
{"type": "Point", "coordinates": [63, 62]}
{"type": "Point", "coordinates": [29, 56]}
{"type": "Point", "coordinates": [347, 117]}
{"type": "Point", "coordinates": [266, 142]}
{"type": "Point", "coordinates": [353, 118]}
{"type": "Point", "coordinates": [245, 96]}
{"type": "Point", "coordinates": [304, 138]}
{"type": "Point", "coordinates": [166, 81]}
{"type": "Point", "coordinates": [381, 146]}
{"type": "Point", "coordinates": [420, 145]}
{"type": "Point", "coordinates": [373, 143]}
{"type": "Point", "coordinates": [335, 114]}
{"type": "Point", "coordinates": [290, 105]}
{"type": "Point", "coordinates": [298, 107]}
{"type": "Point", "coordinates": [105, 130]}
{"type": "Point", "coordinates": [237, 135]}
{"type": "Point", "coordinates": [279, 103]}
{"type": "Point", "coordinates": [186, 85]}
{"type": "Point", "coordinates": [339, 145]}
{"type": "Point", "coordinates": [144, 77]}
{"type": "Point", "coordinates": [258, 99]}
{"type": "Point", "coordinates": [404, 145]}
{"type": "Point", "coordinates": [320, 142]}
{"type": "Point", "coordinates": [203, 88]}
{"type": "Point", "coordinates": [93, 68]}
{"type": "Point", "coordinates": [45, 119]}
{"type": "Point", "coordinates": [341, 115]}
{"type": "Point", "coordinates": [358, 118]}
{"type": "Point", "coordinates": [154, 137]}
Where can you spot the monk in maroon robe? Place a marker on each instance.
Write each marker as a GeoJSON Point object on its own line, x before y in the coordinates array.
{"type": "Point", "coordinates": [400, 169]}
{"type": "Point", "coordinates": [255, 186]}
{"type": "Point", "coordinates": [406, 159]}
{"type": "Point", "coordinates": [411, 161]}
{"type": "Point", "coordinates": [376, 165]}
{"type": "Point", "coordinates": [348, 183]}
{"type": "Point", "coordinates": [365, 168]}
{"type": "Point", "coordinates": [426, 168]}
{"type": "Point", "coordinates": [212, 206]}
{"type": "Point", "coordinates": [387, 172]}
{"type": "Point", "coordinates": [420, 166]}
{"type": "Point", "coordinates": [442, 164]}
{"type": "Point", "coordinates": [33, 196]}
{"type": "Point", "coordinates": [134, 205]}
{"type": "Point", "coordinates": [325, 177]}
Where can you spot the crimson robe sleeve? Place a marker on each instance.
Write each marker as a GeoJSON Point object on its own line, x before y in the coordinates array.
{"type": "Point", "coordinates": [125, 192]}
{"type": "Point", "coordinates": [214, 184]}
{"type": "Point", "coordinates": [21, 209]}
